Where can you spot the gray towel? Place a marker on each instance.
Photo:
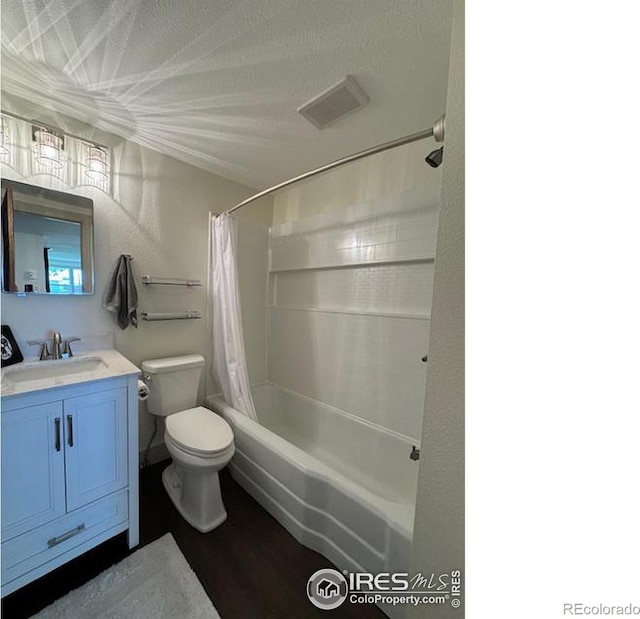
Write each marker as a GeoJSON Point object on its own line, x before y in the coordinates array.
{"type": "Point", "coordinates": [120, 295]}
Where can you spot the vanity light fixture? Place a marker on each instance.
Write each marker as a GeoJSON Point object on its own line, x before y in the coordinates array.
{"type": "Point", "coordinates": [4, 137]}
{"type": "Point", "coordinates": [73, 159]}
{"type": "Point", "coordinates": [48, 147]}
{"type": "Point", "coordinates": [96, 163]}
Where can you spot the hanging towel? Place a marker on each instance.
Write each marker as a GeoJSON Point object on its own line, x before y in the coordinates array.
{"type": "Point", "coordinates": [120, 295]}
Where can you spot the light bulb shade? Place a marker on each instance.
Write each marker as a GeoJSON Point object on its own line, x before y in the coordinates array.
{"type": "Point", "coordinates": [4, 137]}
{"type": "Point", "coordinates": [48, 148]}
{"type": "Point", "coordinates": [96, 164]}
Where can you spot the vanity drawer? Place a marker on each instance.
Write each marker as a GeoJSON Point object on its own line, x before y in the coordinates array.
{"type": "Point", "coordinates": [32, 549]}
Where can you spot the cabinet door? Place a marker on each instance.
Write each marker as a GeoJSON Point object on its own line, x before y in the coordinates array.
{"type": "Point", "coordinates": [32, 467]}
{"type": "Point", "coordinates": [95, 445]}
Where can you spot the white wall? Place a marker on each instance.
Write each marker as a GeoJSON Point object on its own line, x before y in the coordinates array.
{"type": "Point", "coordinates": [159, 215]}
{"type": "Point", "coordinates": [438, 544]}
{"type": "Point", "coordinates": [349, 314]}
{"type": "Point", "coordinates": [29, 256]}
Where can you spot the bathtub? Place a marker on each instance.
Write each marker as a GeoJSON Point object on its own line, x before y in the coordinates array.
{"type": "Point", "coordinates": [339, 485]}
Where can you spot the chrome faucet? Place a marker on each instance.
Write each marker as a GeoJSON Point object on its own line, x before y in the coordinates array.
{"type": "Point", "coordinates": [56, 341]}
{"type": "Point", "coordinates": [59, 349]}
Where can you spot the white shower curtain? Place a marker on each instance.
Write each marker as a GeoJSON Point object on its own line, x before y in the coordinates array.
{"type": "Point", "coordinates": [229, 360]}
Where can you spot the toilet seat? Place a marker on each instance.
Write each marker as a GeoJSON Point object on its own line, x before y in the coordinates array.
{"type": "Point", "coordinates": [199, 432]}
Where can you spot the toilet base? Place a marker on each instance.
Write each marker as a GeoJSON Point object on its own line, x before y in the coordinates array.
{"type": "Point", "coordinates": [196, 495]}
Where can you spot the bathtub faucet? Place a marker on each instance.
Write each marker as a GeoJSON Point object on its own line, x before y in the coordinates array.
{"type": "Point", "coordinates": [415, 453]}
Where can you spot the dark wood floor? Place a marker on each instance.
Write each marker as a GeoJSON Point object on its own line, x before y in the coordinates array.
{"type": "Point", "coordinates": [250, 566]}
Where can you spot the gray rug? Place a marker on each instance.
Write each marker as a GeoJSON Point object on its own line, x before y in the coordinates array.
{"type": "Point", "coordinates": [154, 582]}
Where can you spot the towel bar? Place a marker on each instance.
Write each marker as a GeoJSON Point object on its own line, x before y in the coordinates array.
{"type": "Point", "coordinates": [187, 315]}
{"type": "Point", "coordinates": [169, 281]}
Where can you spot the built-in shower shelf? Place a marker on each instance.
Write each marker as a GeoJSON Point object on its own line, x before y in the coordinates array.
{"type": "Point", "coordinates": [352, 312]}
{"type": "Point", "coordinates": [353, 265]}
{"type": "Point", "coordinates": [169, 281]}
{"type": "Point", "coordinates": [186, 315]}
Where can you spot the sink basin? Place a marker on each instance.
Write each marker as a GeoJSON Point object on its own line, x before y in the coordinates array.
{"type": "Point", "coordinates": [39, 370]}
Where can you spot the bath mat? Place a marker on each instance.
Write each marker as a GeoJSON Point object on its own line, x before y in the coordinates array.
{"type": "Point", "coordinates": [154, 582]}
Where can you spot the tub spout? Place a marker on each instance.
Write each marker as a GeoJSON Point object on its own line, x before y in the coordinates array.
{"type": "Point", "coordinates": [415, 453]}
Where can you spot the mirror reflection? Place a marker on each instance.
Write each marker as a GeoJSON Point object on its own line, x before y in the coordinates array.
{"type": "Point", "coordinates": [47, 239]}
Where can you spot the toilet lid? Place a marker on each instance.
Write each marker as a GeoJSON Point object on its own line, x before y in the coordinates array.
{"type": "Point", "coordinates": [199, 430]}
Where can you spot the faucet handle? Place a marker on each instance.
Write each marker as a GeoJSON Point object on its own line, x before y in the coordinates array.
{"type": "Point", "coordinates": [44, 348]}
{"type": "Point", "coordinates": [66, 348]}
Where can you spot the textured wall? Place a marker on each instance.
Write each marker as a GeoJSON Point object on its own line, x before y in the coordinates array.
{"type": "Point", "coordinates": [158, 214]}
{"type": "Point", "coordinates": [349, 317]}
{"type": "Point", "coordinates": [439, 524]}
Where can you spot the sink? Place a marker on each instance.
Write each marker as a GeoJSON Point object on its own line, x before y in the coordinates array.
{"type": "Point", "coordinates": [21, 379]}
{"type": "Point", "coordinates": [39, 370]}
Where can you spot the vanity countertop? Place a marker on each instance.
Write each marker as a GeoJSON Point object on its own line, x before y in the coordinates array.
{"type": "Point", "coordinates": [84, 367]}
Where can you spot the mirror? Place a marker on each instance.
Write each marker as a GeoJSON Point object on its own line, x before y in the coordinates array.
{"type": "Point", "coordinates": [47, 241]}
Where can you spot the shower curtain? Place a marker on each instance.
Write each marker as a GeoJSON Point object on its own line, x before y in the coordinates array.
{"type": "Point", "coordinates": [229, 360]}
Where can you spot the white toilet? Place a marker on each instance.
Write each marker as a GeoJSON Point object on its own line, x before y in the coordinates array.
{"type": "Point", "coordinates": [199, 441]}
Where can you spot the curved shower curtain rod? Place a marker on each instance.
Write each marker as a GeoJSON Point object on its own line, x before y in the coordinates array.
{"type": "Point", "coordinates": [437, 131]}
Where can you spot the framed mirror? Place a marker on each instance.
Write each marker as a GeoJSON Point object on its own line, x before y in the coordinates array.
{"type": "Point", "coordinates": [47, 241]}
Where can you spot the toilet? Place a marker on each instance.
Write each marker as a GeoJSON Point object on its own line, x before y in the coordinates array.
{"type": "Point", "coordinates": [199, 441]}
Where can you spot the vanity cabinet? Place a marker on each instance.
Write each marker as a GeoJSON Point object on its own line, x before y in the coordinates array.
{"type": "Point", "coordinates": [32, 468]}
{"type": "Point", "coordinates": [69, 475]}
{"type": "Point", "coordinates": [95, 446]}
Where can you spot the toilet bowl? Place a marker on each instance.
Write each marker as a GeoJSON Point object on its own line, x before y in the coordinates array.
{"type": "Point", "coordinates": [199, 441]}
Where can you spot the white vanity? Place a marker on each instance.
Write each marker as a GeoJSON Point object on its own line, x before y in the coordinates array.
{"type": "Point", "coordinates": [69, 461]}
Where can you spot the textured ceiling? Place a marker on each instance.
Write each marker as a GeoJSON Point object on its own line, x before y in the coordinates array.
{"type": "Point", "coordinates": [216, 83]}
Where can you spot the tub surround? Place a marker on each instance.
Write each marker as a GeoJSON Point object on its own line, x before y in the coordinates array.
{"type": "Point", "coordinates": [351, 262]}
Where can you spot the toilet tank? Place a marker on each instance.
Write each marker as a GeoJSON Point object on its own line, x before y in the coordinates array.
{"type": "Point", "coordinates": [173, 383]}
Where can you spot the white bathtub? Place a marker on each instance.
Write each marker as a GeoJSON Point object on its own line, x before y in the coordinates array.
{"type": "Point", "coordinates": [339, 486]}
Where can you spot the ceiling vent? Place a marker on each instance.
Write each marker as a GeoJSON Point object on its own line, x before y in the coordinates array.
{"type": "Point", "coordinates": [334, 103]}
